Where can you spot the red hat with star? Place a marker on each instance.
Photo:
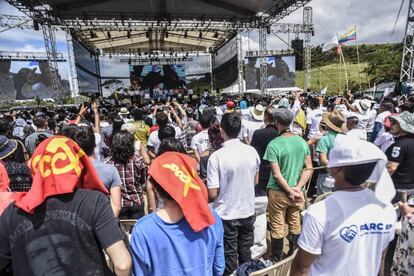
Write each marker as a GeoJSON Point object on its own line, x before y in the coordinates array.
{"type": "Point", "coordinates": [177, 174]}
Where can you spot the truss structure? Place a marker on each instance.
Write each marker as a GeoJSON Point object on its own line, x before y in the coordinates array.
{"type": "Point", "coordinates": [407, 67]}
{"type": "Point", "coordinates": [307, 47]}
{"type": "Point", "coordinates": [263, 62]}
{"type": "Point", "coordinates": [28, 56]}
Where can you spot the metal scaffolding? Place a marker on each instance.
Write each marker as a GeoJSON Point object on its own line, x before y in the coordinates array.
{"type": "Point", "coordinates": [263, 62]}
{"type": "Point", "coordinates": [50, 47]}
{"type": "Point", "coordinates": [307, 47]}
{"type": "Point", "coordinates": [240, 63]}
{"type": "Point", "coordinates": [407, 68]}
{"type": "Point", "coordinates": [74, 85]}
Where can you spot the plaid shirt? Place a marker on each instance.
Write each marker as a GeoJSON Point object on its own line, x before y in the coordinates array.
{"type": "Point", "coordinates": [133, 175]}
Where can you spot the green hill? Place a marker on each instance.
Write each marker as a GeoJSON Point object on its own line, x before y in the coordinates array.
{"type": "Point", "coordinates": [330, 76]}
{"type": "Point", "coordinates": [378, 63]}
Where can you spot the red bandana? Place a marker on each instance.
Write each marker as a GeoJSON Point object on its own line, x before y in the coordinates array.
{"type": "Point", "coordinates": [58, 166]}
{"type": "Point", "coordinates": [176, 173]}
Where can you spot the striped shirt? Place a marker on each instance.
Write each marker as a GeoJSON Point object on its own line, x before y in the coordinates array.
{"type": "Point", "coordinates": [133, 175]}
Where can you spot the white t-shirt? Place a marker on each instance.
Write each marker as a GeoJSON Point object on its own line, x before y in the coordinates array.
{"type": "Point", "coordinates": [250, 126]}
{"type": "Point", "coordinates": [232, 169]}
{"type": "Point", "coordinates": [363, 119]}
{"type": "Point", "coordinates": [381, 119]}
{"type": "Point", "coordinates": [348, 231]}
{"type": "Point", "coordinates": [200, 141]}
{"type": "Point", "coordinates": [371, 114]}
{"type": "Point", "coordinates": [384, 141]}
{"type": "Point", "coordinates": [358, 133]}
{"type": "Point", "coordinates": [154, 141]}
{"type": "Point", "coordinates": [314, 118]}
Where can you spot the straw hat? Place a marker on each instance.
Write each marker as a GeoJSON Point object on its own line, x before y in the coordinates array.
{"type": "Point", "coordinates": [257, 112]}
{"type": "Point", "coordinates": [335, 121]}
{"type": "Point", "coordinates": [123, 111]}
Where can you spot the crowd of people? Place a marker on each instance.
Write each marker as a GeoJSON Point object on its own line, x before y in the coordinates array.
{"type": "Point", "coordinates": [206, 178]}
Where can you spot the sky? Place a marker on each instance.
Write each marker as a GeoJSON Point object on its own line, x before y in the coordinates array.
{"type": "Point", "coordinates": [374, 20]}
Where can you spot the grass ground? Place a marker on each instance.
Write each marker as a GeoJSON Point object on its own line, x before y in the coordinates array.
{"type": "Point", "coordinates": [329, 76]}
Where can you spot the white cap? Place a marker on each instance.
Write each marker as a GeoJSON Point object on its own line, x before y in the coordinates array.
{"type": "Point", "coordinates": [348, 151]}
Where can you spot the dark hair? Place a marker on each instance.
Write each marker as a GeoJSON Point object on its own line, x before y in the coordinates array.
{"type": "Point", "coordinates": [166, 132]}
{"type": "Point", "coordinates": [39, 139]}
{"type": "Point", "coordinates": [407, 107]}
{"type": "Point", "coordinates": [69, 131]}
{"type": "Point", "coordinates": [122, 147]}
{"type": "Point", "coordinates": [358, 174]}
{"type": "Point", "coordinates": [206, 119]}
{"type": "Point", "coordinates": [4, 126]}
{"type": "Point", "coordinates": [269, 115]}
{"type": "Point", "coordinates": [314, 102]}
{"type": "Point", "coordinates": [388, 106]}
{"type": "Point", "coordinates": [160, 191]}
{"type": "Point", "coordinates": [161, 118]}
{"type": "Point", "coordinates": [85, 138]}
{"type": "Point", "coordinates": [51, 124]}
{"type": "Point", "coordinates": [231, 124]}
{"type": "Point", "coordinates": [353, 119]}
{"type": "Point", "coordinates": [171, 144]}
{"type": "Point", "coordinates": [137, 114]}
{"type": "Point", "coordinates": [148, 121]}
{"type": "Point", "coordinates": [116, 125]}
{"type": "Point", "coordinates": [40, 121]}
{"type": "Point", "coordinates": [214, 136]}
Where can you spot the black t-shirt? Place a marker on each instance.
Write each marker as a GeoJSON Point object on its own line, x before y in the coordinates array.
{"type": "Point", "coordinates": [261, 138]}
{"type": "Point", "coordinates": [402, 152]}
{"type": "Point", "coordinates": [65, 236]}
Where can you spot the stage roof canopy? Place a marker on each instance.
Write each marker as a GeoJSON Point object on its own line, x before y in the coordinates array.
{"type": "Point", "coordinates": [122, 26]}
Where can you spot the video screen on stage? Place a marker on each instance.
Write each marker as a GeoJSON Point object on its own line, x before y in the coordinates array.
{"type": "Point", "coordinates": [225, 71]}
{"type": "Point", "coordinates": [280, 72]}
{"type": "Point", "coordinates": [26, 80]}
{"type": "Point", "coordinates": [87, 68]}
{"type": "Point", "coordinates": [226, 74]}
{"type": "Point", "coordinates": [160, 76]}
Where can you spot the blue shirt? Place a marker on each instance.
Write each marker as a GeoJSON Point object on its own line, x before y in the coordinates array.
{"type": "Point", "coordinates": [108, 174]}
{"type": "Point", "coordinates": [160, 248]}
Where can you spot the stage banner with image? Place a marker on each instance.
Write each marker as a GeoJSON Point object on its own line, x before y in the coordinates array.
{"type": "Point", "coordinates": [158, 76]}
{"type": "Point", "coordinates": [26, 80]}
{"type": "Point", "coordinates": [280, 72]}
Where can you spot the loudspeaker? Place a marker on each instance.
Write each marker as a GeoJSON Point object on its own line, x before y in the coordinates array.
{"type": "Point", "coordinates": [297, 46]}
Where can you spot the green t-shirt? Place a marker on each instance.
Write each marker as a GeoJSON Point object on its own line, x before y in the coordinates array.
{"type": "Point", "coordinates": [326, 143]}
{"type": "Point", "coordinates": [290, 153]}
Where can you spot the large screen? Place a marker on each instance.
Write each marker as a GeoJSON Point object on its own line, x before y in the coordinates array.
{"type": "Point", "coordinates": [25, 80]}
{"type": "Point", "coordinates": [164, 77]}
{"type": "Point", "coordinates": [280, 72]}
{"type": "Point", "coordinates": [225, 71]}
{"type": "Point", "coordinates": [87, 69]}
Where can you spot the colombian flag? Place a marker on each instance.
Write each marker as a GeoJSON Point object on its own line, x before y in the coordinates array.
{"type": "Point", "coordinates": [350, 35]}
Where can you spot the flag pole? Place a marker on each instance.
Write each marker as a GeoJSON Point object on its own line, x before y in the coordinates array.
{"type": "Point", "coordinates": [340, 72]}
{"type": "Point", "coordinates": [346, 73]}
{"type": "Point", "coordinates": [359, 65]}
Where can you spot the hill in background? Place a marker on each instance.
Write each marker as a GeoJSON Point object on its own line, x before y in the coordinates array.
{"type": "Point", "coordinates": [378, 63]}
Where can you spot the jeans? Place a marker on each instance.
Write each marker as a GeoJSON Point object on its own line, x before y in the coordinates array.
{"type": "Point", "coordinates": [238, 238]}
